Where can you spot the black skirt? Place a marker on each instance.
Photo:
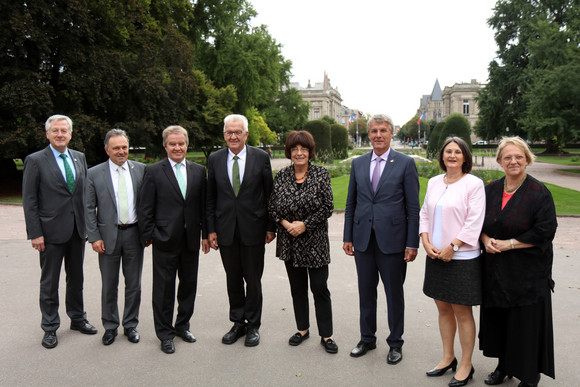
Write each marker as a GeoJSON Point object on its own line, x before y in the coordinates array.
{"type": "Point", "coordinates": [521, 337]}
{"type": "Point", "coordinates": [456, 282]}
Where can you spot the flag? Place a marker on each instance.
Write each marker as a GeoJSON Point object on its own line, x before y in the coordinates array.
{"type": "Point", "coordinates": [421, 117]}
{"type": "Point", "coordinates": [351, 118]}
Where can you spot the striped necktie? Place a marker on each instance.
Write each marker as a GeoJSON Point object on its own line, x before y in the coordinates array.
{"type": "Point", "coordinates": [70, 178]}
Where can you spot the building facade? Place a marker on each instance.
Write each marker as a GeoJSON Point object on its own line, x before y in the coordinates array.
{"type": "Point", "coordinates": [459, 98]}
{"type": "Point", "coordinates": [324, 100]}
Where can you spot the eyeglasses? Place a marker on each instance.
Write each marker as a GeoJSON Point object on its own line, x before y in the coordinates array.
{"type": "Point", "coordinates": [236, 133]}
{"type": "Point", "coordinates": [508, 159]}
{"type": "Point", "coordinates": [56, 131]}
{"type": "Point", "coordinates": [299, 150]}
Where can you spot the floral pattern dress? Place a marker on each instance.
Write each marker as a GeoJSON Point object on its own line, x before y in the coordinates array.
{"type": "Point", "coordinates": [310, 202]}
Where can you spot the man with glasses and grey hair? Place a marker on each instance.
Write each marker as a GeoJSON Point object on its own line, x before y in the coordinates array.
{"type": "Point", "coordinates": [239, 187]}
{"type": "Point", "coordinates": [53, 193]}
{"type": "Point", "coordinates": [111, 205]}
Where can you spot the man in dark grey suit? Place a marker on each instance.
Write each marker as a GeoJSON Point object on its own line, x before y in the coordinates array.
{"type": "Point", "coordinates": [172, 214]}
{"type": "Point", "coordinates": [53, 191]}
{"type": "Point", "coordinates": [239, 187]}
{"type": "Point", "coordinates": [112, 191]}
{"type": "Point", "coordinates": [381, 230]}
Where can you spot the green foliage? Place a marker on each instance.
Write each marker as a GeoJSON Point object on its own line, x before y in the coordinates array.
{"type": "Point", "coordinates": [533, 86]}
{"type": "Point", "coordinates": [320, 130]}
{"type": "Point", "coordinates": [288, 112]}
{"type": "Point", "coordinates": [359, 124]}
{"type": "Point", "coordinates": [329, 119]}
{"type": "Point", "coordinates": [434, 140]}
{"type": "Point", "coordinates": [456, 125]}
{"type": "Point", "coordinates": [339, 141]}
{"type": "Point", "coordinates": [259, 133]}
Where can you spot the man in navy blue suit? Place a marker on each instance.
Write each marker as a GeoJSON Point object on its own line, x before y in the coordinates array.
{"type": "Point", "coordinates": [381, 230]}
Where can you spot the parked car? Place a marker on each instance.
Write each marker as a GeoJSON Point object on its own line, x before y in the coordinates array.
{"type": "Point", "coordinates": [480, 142]}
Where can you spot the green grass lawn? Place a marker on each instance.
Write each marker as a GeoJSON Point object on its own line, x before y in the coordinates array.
{"type": "Point", "coordinates": [562, 160]}
{"type": "Point", "coordinates": [570, 170]}
{"type": "Point", "coordinates": [567, 200]}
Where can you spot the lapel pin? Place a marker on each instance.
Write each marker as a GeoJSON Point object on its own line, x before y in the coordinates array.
{"type": "Point", "coordinates": [392, 161]}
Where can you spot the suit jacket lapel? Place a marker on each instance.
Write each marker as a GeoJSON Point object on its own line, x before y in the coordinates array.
{"type": "Point", "coordinates": [108, 179]}
{"type": "Point", "coordinates": [166, 166]}
{"type": "Point", "coordinates": [133, 178]}
{"type": "Point", "coordinates": [78, 170]}
{"type": "Point", "coordinates": [366, 172]}
{"type": "Point", "coordinates": [250, 162]}
{"type": "Point", "coordinates": [390, 163]}
{"type": "Point", "coordinates": [54, 168]}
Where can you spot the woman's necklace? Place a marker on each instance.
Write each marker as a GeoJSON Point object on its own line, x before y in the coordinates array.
{"type": "Point", "coordinates": [505, 186]}
{"type": "Point", "coordinates": [448, 181]}
{"type": "Point", "coordinates": [301, 179]}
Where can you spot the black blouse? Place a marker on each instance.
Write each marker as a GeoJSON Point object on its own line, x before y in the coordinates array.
{"type": "Point", "coordinates": [310, 202]}
{"type": "Point", "coordinates": [519, 277]}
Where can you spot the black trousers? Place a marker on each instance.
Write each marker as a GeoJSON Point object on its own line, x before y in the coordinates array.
{"type": "Point", "coordinates": [167, 265]}
{"type": "Point", "coordinates": [393, 270]}
{"type": "Point", "coordinates": [128, 255]}
{"type": "Point", "coordinates": [73, 253]}
{"type": "Point", "coordinates": [244, 264]}
{"type": "Point", "coordinates": [298, 277]}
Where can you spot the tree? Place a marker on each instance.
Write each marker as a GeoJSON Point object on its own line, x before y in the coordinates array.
{"type": "Point", "coordinates": [339, 141]}
{"type": "Point", "coordinates": [456, 125]}
{"type": "Point", "coordinates": [328, 119]}
{"type": "Point", "coordinates": [288, 112]}
{"type": "Point", "coordinates": [534, 38]}
{"type": "Point", "coordinates": [259, 131]}
{"type": "Point", "coordinates": [434, 140]}
{"type": "Point", "coordinates": [360, 125]}
{"type": "Point", "coordinates": [320, 130]}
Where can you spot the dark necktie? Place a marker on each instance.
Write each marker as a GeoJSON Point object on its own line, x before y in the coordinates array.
{"type": "Point", "coordinates": [70, 178]}
{"type": "Point", "coordinates": [377, 174]}
{"type": "Point", "coordinates": [236, 176]}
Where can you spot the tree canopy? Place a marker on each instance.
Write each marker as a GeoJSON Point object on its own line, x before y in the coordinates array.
{"type": "Point", "coordinates": [139, 65]}
{"type": "Point", "coordinates": [533, 88]}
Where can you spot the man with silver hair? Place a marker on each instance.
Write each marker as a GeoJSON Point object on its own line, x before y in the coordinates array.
{"type": "Point", "coordinates": [239, 187]}
{"type": "Point", "coordinates": [53, 193]}
{"type": "Point", "coordinates": [381, 231]}
{"type": "Point", "coordinates": [111, 205]}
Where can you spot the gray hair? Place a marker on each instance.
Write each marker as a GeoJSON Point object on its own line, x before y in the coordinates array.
{"type": "Point", "coordinates": [382, 118]}
{"type": "Point", "coordinates": [236, 118]}
{"type": "Point", "coordinates": [115, 133]}
{"type": "Point", "coordinates": [58, 117]}
{"type": "Point", "coordinates": [174, 129]}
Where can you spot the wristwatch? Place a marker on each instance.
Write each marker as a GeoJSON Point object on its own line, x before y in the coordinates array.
{"type": "Point", "coordinates": [455, 247]}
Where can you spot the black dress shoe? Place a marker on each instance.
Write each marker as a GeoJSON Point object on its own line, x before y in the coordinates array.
{"type": "Point", "coordinates": [458, 383]}
{"type": "Point", "coordinates": [298, 338]}
{"type": "Point", "coordinates": [234, 334]}
{"type": "Point", "coordinates": [109, 336]}
{"type": "Point", "coordinates": [167, 346]}
{"type": "Point", "coordinates": [441, 371]}
{"type": "Point", "coordinates": [395, 355]}
{"type": "Point", "coordinates": [524, 384]}
{"type": "Point", "coordinates": [49, 340]}
{"type": "Point", "coordinates": [132, 335]}
{"type": "Point", "coordinates": [252, 337]}
{"type": "Point", "coordinates": [329, 345]}
{"type": "Point", "coordinates": [187, 336]}
{"type": "Point", "coordinates": [362, 348]}
{"type": "Point", "coordinates": [83, 326]}
{"type": "Point", "coordinates": [496, 377]}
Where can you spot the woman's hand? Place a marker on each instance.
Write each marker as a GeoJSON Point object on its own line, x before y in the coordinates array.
{"type": "Point", "coordinates": [432, 251]}
{"type": "Point", "coordinates": [446, 254]}
{"type": "Point", "coordinates": [491, 245]}
{"type": "Point", "coordinates": [296, 228]}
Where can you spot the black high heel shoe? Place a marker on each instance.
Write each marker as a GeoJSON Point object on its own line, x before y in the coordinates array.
{"type": "Point", "coordinates": [441, 371]}
{"type": "Point", "coordinates": [496, 377]}
{"type": "Point", "coordinates": [458, 383]}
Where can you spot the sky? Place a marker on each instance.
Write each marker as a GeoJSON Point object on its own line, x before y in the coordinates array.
{"type": "Point", "coordinates": [382, 55]}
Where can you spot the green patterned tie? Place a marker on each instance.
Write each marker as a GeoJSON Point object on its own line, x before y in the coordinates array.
{"type": "Point", "coordinates": [236, 176]}
{"type": "Point", "coordinates": [70, 178]}
{"type": "Point", "coordinates": [122, 196]}
{"type": "Point", "coordinates": [180, 179]}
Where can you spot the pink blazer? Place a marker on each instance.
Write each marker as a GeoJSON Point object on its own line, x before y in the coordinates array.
{"type": "Point", "coordinates": [463, 213]}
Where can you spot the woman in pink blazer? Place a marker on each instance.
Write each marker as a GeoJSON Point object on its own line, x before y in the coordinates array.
{"type": "Point", "coordinates": [450, 225]}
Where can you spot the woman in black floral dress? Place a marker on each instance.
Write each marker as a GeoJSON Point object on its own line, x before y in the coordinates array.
{"type": "Point", "coordinates": [301, 204]}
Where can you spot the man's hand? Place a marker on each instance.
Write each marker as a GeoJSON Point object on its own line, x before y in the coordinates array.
{"type": "Point", "coordinates": [38, 243]}
{"type": "Point", "coordinates": [213, 240]}
{"type": "Point", "coordinates": [410, 255]}
{"type": "Point", "coordinates": [205, 246]}
{"type": "Point", "coordinates": [99, 246]}
{"type": "Point", "coordinates": [270, 236]}
{"type": "Point", "coordinates": [348, 248]}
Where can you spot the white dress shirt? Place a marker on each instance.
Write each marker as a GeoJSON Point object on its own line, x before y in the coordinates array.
{"type": "Point", "coordinates": [241, 164]}
{"type": "Point", "coordinates": [130, 193]}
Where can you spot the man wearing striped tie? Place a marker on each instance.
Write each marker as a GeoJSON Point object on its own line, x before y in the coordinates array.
{"type": "Point", "coordinates": [53, 201]}
{"type": "Point", "coordinates": [111, 212]}
{"type": "Point", "coordinates": [171, 214]}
